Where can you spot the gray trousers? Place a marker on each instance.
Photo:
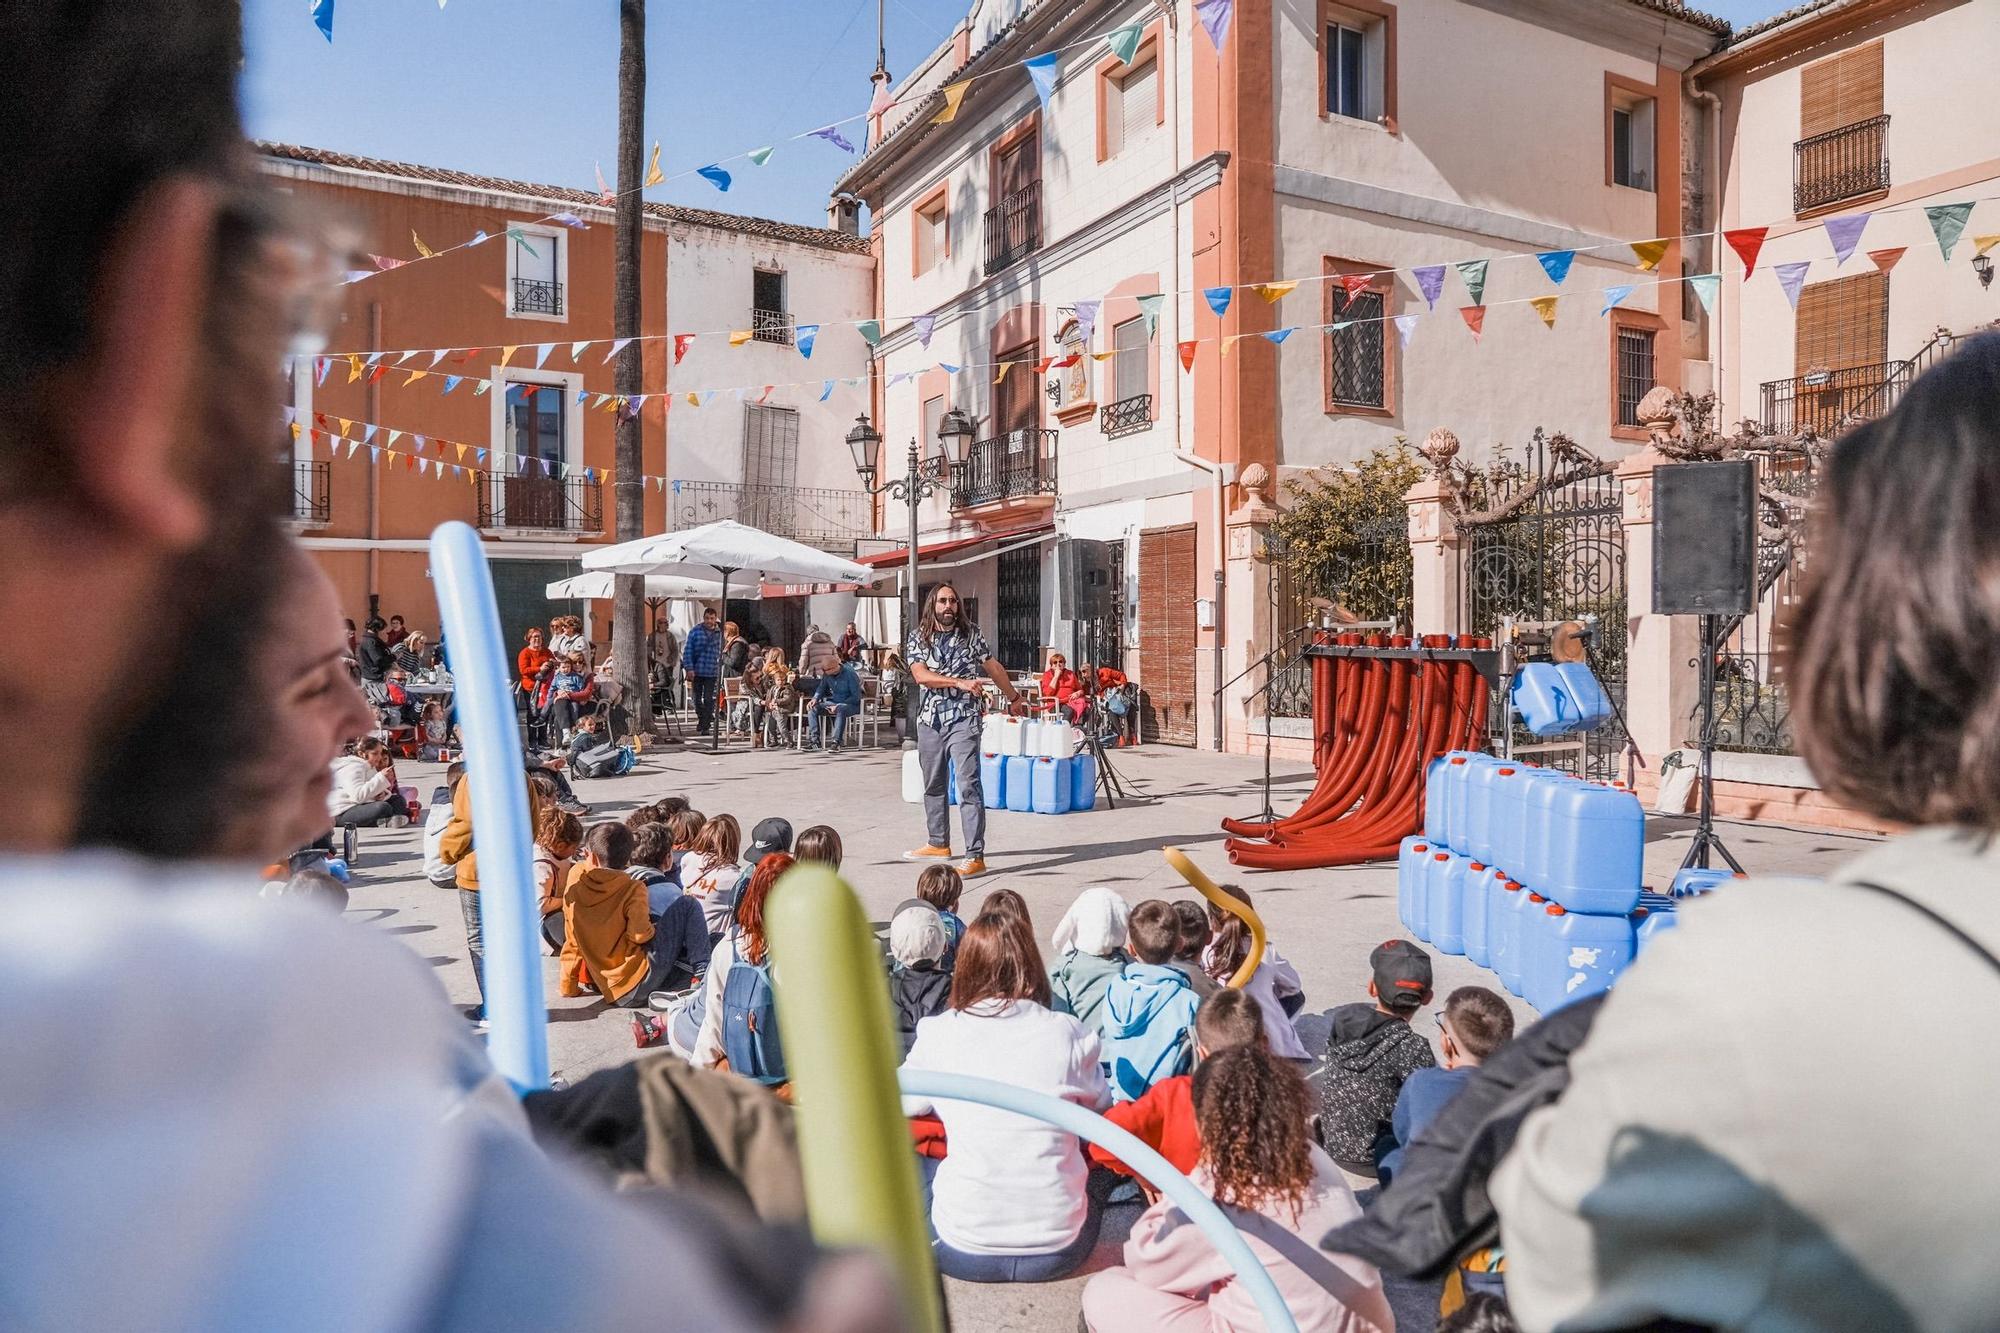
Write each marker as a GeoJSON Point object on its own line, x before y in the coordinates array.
{"type": "Point", "coordinates": [937, 750]}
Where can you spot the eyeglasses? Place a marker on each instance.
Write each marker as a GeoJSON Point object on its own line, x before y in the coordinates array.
{"type": "Point", "coordinates": [1444, 1029]}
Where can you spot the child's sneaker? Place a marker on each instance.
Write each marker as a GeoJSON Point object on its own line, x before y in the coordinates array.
{"type": "Point", "coordinates": [647, 1030]}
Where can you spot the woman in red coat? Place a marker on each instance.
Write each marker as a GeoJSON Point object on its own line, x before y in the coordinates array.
{"type": "Point", "coordinates": [1058, 682]}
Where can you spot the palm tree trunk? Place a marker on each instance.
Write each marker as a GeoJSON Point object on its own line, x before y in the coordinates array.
{"type": "Point", "coordinates": [628, 605]}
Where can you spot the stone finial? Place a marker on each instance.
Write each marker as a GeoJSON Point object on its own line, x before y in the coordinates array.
{"type": "Point", "coordinates": [1255, 480]}
{"type": "Point", "coordinates": [1656, 410]}
{"type": "Point", "coordinates": [1440, 447]}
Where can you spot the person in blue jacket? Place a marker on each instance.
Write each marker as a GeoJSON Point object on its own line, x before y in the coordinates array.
{"type": "Point", "coordinates": [1149, 1008]}
{"type": "Point", "coordinates": [836, 696]}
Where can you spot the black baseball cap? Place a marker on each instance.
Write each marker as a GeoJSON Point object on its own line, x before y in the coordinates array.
{"type": "Point", "coordinates": [770, 835]}
{"type": "Point", "coordinates": [1402, 974]}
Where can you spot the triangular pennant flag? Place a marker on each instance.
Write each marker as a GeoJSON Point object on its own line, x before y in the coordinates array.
{"type": "Point", "coordinates": [1545, 306]}
{"type": "Point", "coordinates": [1278, 335]}
{"type": "Point", "coordinates": [320, 366]}
{"type": "Point", "coordinates": [1124, 42]}
{"type": "Point", "coordinates": [392, 437]}
{"type": "Point", "coordinates": [507, 354]}
{"type": "Point", "coordinates": [806, 334]}
{"type": "Point", "coordinates": [406, 356]}
{"type": "Point", "coordinates": [457, 471]}
{"type": "Point", "coordinates": [353, 368]}
{"type": "Point", "coordinates": [1948, 223]}
{"type": "Point", "coordinates": [542, 351]}
{"type": "Point", "coordinates": [831, 133]}
{"type": "Point", "coordinates": [1705, 286]}
{"type": "Point", "coordinates": [715, 176]}
{"type": "Point", "coordinates": [1086, 320]}
{"type": "Point", "coordinates": [605, 194]}
{"type": "Point", "coordinates": [1042, 366]}
{"type": "Point", "coordinates": [422, 249]}
{"type": "Point", "coordinates": [479, 455]}
{"type": "Point", "coordinates": [706, 395]}
{"type": "Point", "coordinates": [1648, 254]}
{"type": "Point", "coordinates": [423, 465]}
{"type": "Point", "coordinates": [1042, 71]}
{"type": "Point", "coordinates": [478, 237]}
{"type": "Point", "coordinates": [576, 350]}
{"type": "Point", "coordinates": [693, 400]}
{"type": "Point", "coordinates": [452, 382]}
{"type": "Point", "coordinates": [653, 173]}
{"type": "Point", "coordinates": [1149, 310]}
{"type": "Point", "coordinates": [741, 336]}
{"type": "Point", "coordinates": [374, 454]}
{"type": "Point", "coordinates": [954, 94]}
{"type": "Point", "coordinates": [1405, 326]}
{"type": "Point", "coordinates": [483, 386]}
{"type": "Point", "coordinates": [617, 345]}
{"type": "Point", "coordinates": [1791, 277]}
{"type": "Point", "coordinates": [1214, 16]}
{"type": "Point", "coordinates": [1613, 295]}
{"type": "Point", "coordinates": [758, 156]}
{"type": "Point", "coordinates": [1229, 341]}
{"type": "Point", "coordinates": [377, 373]}
{"type": "Point", "coordinates": [1430, 282]}
{"type": "Point", "coordinates": [384, 263]}
{"type": "Point", "coordinates": [346, 426]}
{"type": "Point", "coordinates": [1218, 298]}
{"type": "Point", "coordinates": [1005, 366]}
{"type": "Point", "coordinates": [879, 104]}
{"type": "Point", "coordinates": [1354, 284]}
{"type": "Point", "coordinates": [871, 331]}
{"type": "Point", "coordinates": [923, 325]}
{"type": "Point", "coordinates": [520, 238]}
{"type": "Point", "coordinates": [1473, 273]}
{"type": "Point", "coordinates": [1274, 292]}
{"type": "Point", "coordinates": [1746, 242]}
{"type": "Point", "coordinates": [1102, 356]}
{"type": "Point", "coordinates": [1845, 233]}
{"type": "Point", "coordinates": [947, 367]}
{"type": "Point", "coordinates": [373, 357]}
{"type": "Point", "coordinates": [1474, 317]}
{"type": "Point", "coordinates": [1187, 350]}
{"type": "Point", "coordinates": [322, 17]}
{"type": "Point", "coordinates": [438, 356]}
{"type": "Point", "coordinates": [826, 390]}
{"type": "Point", "coordinates": [1981, 244]}
{"type": "Point", "coordinates": [415, 375]}
{"type": "Point", "coordinates": [1556, 264]}
{"type": "Point", "coordinates": [582, 397]}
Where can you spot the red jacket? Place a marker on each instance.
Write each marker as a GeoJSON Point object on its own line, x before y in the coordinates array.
{"type": "Point", "coordinates": [1058, 685]}
{"type": "Point", "coordinates": [1163, 1119]}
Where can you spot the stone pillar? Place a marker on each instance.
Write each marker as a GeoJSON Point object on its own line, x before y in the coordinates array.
{"type": "Point", "coordinates": [1248, 631]}
{"type": "Point", "coordinates": [1437, 560]}
{"type": "Point", "coordinates": [1660, 651]}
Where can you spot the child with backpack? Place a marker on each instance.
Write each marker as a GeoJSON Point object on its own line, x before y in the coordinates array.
{"type": "Point", "coordinates": [739, 1025]}
{"type": "Point", "coordinates": [1090, 942]}
{"type": "Point", "coordinates": [1148, 1008]}
{"type": "Point", "coordinates": [605, 923]}
{"type": "Point", "coordinates": [1164, 1118]}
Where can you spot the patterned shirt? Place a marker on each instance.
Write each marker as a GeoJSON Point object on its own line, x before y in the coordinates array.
{"type": "Point", "coordinates": [703, 654]}
{"type": "Point", "coordinates": [961, 655]}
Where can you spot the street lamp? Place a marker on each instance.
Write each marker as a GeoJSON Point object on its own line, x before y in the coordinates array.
{"type": "Point", "coordinates": [922, 479]}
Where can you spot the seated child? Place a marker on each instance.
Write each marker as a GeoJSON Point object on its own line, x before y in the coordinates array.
{"type": "Point", "coordinates": [652, 854]}
{"type": "Point", "coordinates": [1258, 1161]}
{"type": "Point", "coordinates": [1370, 1052]}
{"type": "Point", "coordinates": [680, 934]}
{"type": "Point", "coordinates": [941, 887]}
{"type": "Point", "coordinates": [1149, 1007]}
{"type": "Point", "coordinates": [437, 818]}
{"type": "Point", "coordinates": [1195, 935]}
{"type": "Point", "coordinates": [1275, 983]}
{"type": "Point", "coordinates": [685, 825]}
{"type": "Point", "coordinates": [819, 844]}
{"type": "Point", "coordinates": [1164, 1118]}
{"type": "Point", "coordinates": [919, 984]}
{"type": "Point", "coordinates": [605, 923]}
{"type": "Point", "coordinates": [1090, 944]}
{"type": "Point", "coordinates": [556, 841]}
{"type": "Point", "coordinates": [1475, 1023]}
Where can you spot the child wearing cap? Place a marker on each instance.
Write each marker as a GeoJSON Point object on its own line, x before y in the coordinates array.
{"type": "Point", "coordinates": [1370, 1052]}
{"type": "Point", "coordinates": [919, 983]}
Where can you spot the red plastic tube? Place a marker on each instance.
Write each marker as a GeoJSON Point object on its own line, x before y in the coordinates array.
{"type": "Point", "coordinates": [1356, 716]}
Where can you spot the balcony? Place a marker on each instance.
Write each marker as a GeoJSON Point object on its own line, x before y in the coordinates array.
{"type": "Point", "coordinates": [771, 326]}
{"type": "Point", "coordinates": [1127, 416]}
{"type": "Point", "coordinates": [1014, 227]}
{"type": "Point", "coordinates": [531, 498]}
{"type": "Point", "coordinates": [1826, 401]}
{"type": "Point", "coordinates": [1017, 466]}
{"type": "Point", "coordinates": [312, 502]}
{"type": "Point", "coordinates": [831, 520]}
{"type": "Point", "coordinates": [1847, 163]}
{"type": "Point", "coordinates": [532, 296]}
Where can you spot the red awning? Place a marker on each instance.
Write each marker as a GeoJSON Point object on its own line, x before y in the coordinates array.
{"type": "Point", "coordinates": [930, 551]}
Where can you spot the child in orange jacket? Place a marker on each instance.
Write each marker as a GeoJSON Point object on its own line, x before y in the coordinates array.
{"type": "Point", "coordinates": [1163, 1119]}
{"type": "Point", "coordinates": [606, 924]}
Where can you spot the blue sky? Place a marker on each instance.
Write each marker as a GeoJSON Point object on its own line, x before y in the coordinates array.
{"type": "Point", "coordinates": [527, 88]}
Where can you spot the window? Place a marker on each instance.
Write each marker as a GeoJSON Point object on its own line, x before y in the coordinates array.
{"type": "Point", "coordinates": [1345, 58]}
{"type": "Point", "coordinates": [1842, 150]}
{"type": "Point", "coordinates": [1632, 141]}
{"type": "Point", "coordinates": [537, 266]}
{"type": "Point", "coordinates": [770, 447]}
{"type": "Point", "coordinates": [1840, 91]}
{"type": "Point", "coordinates": [1017, 400]}
{"type": "Point", "coordinates": [1132, 105]}
{"type": "Point", "coordinates": [1359, 353]}
{"type": "Point", "coordinates": [933, 418]}
{"type": "Point", "coordinates": [1358, 61]}
{"type": "Point", "coordinates": [536, 426]}
{"type": "Point", "coordinates": [1131, 367]}
{"type": "Point", "coordinates": [770, 322]}
{"type": "Point", "coordinates": [1014, 222]}
{"type": "Point", "coordinates": [933, 232]}
{"type": "Point", "coordinates": [1635, 372]}
{"type": "Point", "coordinates": [531, 487]}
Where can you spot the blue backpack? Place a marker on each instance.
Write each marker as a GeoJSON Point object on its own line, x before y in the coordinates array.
{"type": "Point", "coordinates": [750, 1024]}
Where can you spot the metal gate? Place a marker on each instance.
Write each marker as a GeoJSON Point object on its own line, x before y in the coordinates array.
{"type": "Point", "coordinates": [1018, 632]}
{"type": "Point", "coordinates": [1371, 580]}
{"type": "Point", "coordinates": [1751, 712]}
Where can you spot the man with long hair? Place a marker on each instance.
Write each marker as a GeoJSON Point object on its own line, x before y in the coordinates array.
{"type": "Point", "coordinates": [950, 659]}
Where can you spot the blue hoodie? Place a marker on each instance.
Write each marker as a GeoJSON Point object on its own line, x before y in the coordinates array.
{"type": "Point", "coordinates": [1148, 1017]}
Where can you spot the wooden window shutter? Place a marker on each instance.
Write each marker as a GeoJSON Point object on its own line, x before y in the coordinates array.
{"type": "Point", "coordinates": [1843, 323]}
{"type": "Point", "coordinates": [1841, 90]}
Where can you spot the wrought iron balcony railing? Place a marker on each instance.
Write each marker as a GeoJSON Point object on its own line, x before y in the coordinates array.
{"type": "Point", "coordinates": [831, 520]}
{"type": "Point", "coordinates": [1127, 416]}
{"type": "Point", "coordinates": [539, 497]}
{"type": "Point", "coordinates": [1848, 163]}
{"type": "Point", "coordinates": [312, 500]}
{"type": "Point", "coordinates": [1017, 464]}
{"type": "Point", "coordinates": [532, 296]}
{"type": "Point", "coordinates": [1828, 400]}
{"type": "Point", "coordinates": [1014, 227]}
{"type": "Point", "coordinates": [771, 326]}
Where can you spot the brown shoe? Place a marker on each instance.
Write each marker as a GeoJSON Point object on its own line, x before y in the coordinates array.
{"type": "Point", "coordinates": [970, 866]}
{"type": "Point", "coordinates": [928, 854]}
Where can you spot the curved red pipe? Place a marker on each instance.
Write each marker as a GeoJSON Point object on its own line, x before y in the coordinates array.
{"type": "Point", "coordinates": [1377, 765]}
{"type": "Point", "coordinates": [1355, 718]}
{"type": "Point", "coordinates": [1346, 776]}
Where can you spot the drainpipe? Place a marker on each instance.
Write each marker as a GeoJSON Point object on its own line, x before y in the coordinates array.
{"type": "Point", "coordinates": [1218, 475]}
{"type": "Point", "coordinates": [374, 473]}
{"type": "Point", "coordinates": [1711, 207]}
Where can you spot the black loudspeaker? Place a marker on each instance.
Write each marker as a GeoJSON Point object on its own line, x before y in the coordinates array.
{"type": "Point", "coordinates": [1083, 573]}
{"type": "Point", "coordinates": [1705, 539]}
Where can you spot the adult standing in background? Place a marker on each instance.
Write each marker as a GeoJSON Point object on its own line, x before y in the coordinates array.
{"type": "Point", "coordinates": [701, 660]}
{"type": "Point", "coordinates": [950, 659]}
{"type": "Point", "coordinates": [735, 650]}
{"type": "Point", "coordinates": [816, 652]}
{"type": "Point", "coordinates": [667, 658]}
{"type": "Point", "coordinates": [566, 638]}
{"type": "Point", "coordinates": [375, 659]}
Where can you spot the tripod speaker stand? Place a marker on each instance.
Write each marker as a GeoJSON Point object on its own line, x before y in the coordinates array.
{"type": "Point", "coordinates": [1093, 642]}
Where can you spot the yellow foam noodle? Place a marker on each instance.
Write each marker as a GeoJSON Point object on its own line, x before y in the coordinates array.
{"type": "Point", "coordinates": [1195, 876]}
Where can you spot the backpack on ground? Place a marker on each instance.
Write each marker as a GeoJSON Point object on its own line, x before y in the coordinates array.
{"type": "Point", "coordinates": [605, 761]}
{"type": "Point", "coordinates": [750, 1024]}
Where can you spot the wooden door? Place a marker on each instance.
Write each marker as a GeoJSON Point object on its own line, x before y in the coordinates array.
{"type": "Point", "coordinates": [1167, 592]}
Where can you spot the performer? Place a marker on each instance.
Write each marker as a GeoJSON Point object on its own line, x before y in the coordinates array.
{"type": "Point", "coordinates": [950, 659]}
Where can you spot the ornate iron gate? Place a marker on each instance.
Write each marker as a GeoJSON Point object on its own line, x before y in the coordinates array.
{"type": "Point", "coordinates": [1018, 633]}
{"type": "Point", "coordinates": [1371, 580]}
{"type": "Point", "coordinates": [1751, 712]}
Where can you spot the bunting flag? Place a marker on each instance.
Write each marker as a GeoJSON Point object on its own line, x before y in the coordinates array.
{"type": "Point", "coordinates": [948, 368]}
{"type": "Point", "coordinates": [1187, 350]}
{"type": "Point", "coordinates": [1005, 366]}
{"type": "Point", "coordinates": [1218, 299]}
{"type": "Point", "coordinates": [1705, 286]}
{"type": "Point", "coordinates": [605, 194]}
{"type": "Point", "coordinates": [478, 238]}
{"type": "Point", "coordinates": [832, 134]}
{"type": "Point", "coordinates": [322, 17]}
{"type": "Point", "coordinates": [1981, 244]}
{"type": "Point", "coordinates": [1064, 363]}
{"type": "Point", "coordinates": [1214, 16]}
{"type": "Point", "coordinates": [1747, 242]}
{"type": "Point", "coordinates": [1845, 233]}
{"type": "Point", "coordinates": [520, 238]}
{"type": "Point", "coordinates": [1229, 341]}
{"type": "Point", "coordinates": [1545, 306]}
{"type": "Point", "coordinates": [1274, 292]}
{"type": "Point", "coordinates": [1473, 273]}
{"type": "Point", "coordinates": [384, 263]}
{"type": "Point", "coordinates": [378, 373]}
{"type": "Point", "coordinates": [806, 334]}
{"type": "Point", "coordinates": [953, 95]}
{"type": "Point", "coordinates": [1612, 296]}
{"type": "Point", "coordinates": [480, 388]}
{"type": "Point", "coordinates": [320, 366]}
{"type": "Point", "coordinates": [682, 341]}
{"type": "Point", "coordinates": [1948, 223]}
{"type": "Point", "coordinates": [353, 369]}
{"type": "Point", "coordinates": [879, 104]}
{"type": "Point", "coordinates": [1277, 335]}
{"type": "Point", "coordinates": [1124, 42]}
{"type": "Point", "coordinates": [693, 399]}
{"type": "Point", "coordinates": [1791, 277]}
{"type": "Point", "coordinates": [1042, 366]}
{"type": "Point", "coordinates": [1354, 284]}
{"type": "Point", "coordinates": [715, 176]}
{"type": "Point", "coordinates": [542, 351]}
{"type": "Point", "coordinates": [1430, 283]}
{"type": "Point", "coordinates": [1086, 321]}
{"type": "Point", "coordinates": [576, 350]}
{"type": "Point", "coordinates": [1149, 310]}
{"type": "Point", "coordinates": [506, 355]}
{"type": "Point", "coordinates": [759, 156]}
{"type": "Point", "coordinates": [406, 356]}
{"type": "Point", "coordinates": [617, 345]}
{"type": "Point", "coordinates": [1042, 70]}
{"type": "Point", "coordinates": [415, 375]}
{"type": "Point", "coordinates": [923, 325]}
{"type": "Point", "coordinates": [429, 253]}
{"type": "Point", "coordinates": [1405, 326]}
{"type": "Point", "coordinates": [826, 391]}
{"type": "Point", "coordinates": [1648, 254]}
{"type": "Point", "coordinates": [898, 377]}
{"type": "Point", "coordinates": [1102, 356]}
{"type": "Point", "coordinates": [1474, 317]}
{"type": "Point", "coordinates": [740, 336]}
{"type": "Point", "coordinates": [1884, 260]}
{"type": "Point", "coordinates": [654, 175]}
{"type": "Point", "coordinates": [871, 331]}
{"type": "Point", "coordinates": [1556, 264]}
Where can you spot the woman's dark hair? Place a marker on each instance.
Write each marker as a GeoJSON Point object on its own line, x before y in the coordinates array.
{"type": "Point", "coordinates": [363, 746]}
{"type": "Point", "coordinates": [1195, 930]}
{"type": "Point", "coordinates": [1252, 1108]}
{"type": "Point", "coordinates": [1888, 653]}
{"type": "Point", "coordinates": [820, 843]}
{"type": "Point", "coordinates": [998, 961]}
{"type": "Point", "coordinates": [1483, 1312]}
{"type": "Point", "coordinates": [1232, 935]}
{"type": "Point", "coordinates": [750, 907]}
{"type": "Point", "coordinates": [1007, 903]}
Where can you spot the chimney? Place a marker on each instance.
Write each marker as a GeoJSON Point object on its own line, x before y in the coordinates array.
{"type": "Point", "coordinates": [843, 214]}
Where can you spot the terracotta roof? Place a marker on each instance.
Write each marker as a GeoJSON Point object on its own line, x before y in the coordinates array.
{"type": "Point", "coordinates": [1674, 9]}
{"type": "Point", "coordinates": [822, 237]}
{"type": "Point", "coordinates": [1780, 19]}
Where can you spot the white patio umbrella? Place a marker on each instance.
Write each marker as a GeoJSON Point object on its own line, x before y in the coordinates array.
{"type": "Point", "coordinates": [726, 548]}
{"type": "Point", "coordinates": [659, 587]}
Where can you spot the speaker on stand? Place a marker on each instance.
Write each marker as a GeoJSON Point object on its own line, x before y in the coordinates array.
{"type": "Point", "coordinates": [1084, 583]}
{"type": "Point", "coordinates": [1705, 564]}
